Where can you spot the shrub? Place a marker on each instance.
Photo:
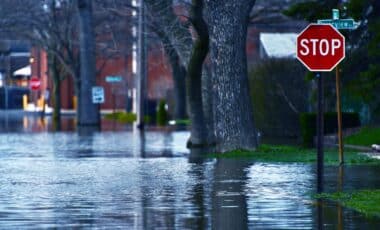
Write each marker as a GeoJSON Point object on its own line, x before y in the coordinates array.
{"type": "Point", "coordinates": [122, 117]}
{"type": "Point", "coordinates": [162, 114]}
{"type": "Point", "coordinates": [308, 124]}
{"type": "Point", "coordinates": [279, 92]}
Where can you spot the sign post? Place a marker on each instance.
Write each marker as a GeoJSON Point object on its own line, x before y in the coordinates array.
{"type": "Point", "coordinates": [320, 132]}
{"type": "Point", "coordinates": [112, 80]}
{"type": "Point", "coordinates": [320, 48]}
{"type": "Point", "coordinates": [340, 24]}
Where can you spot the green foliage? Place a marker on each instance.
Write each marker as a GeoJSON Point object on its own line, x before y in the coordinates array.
{"type": "Point", "coordinates": [365, 137]}
{"type": "Point", "coordinates": [355, 8]}
{"type": "Point", "coordinates": [162, 115]}
{"type": "Point", "coordinates": [308, 124]}
{"type": "Point", "coordinates": [278, 93]}
{"type": "Point", "coordinates": [121, 117]}
{"type": "Point", "coordinates": [294, 154]}
{"type": "Point", "coordinates": [182, 122]}
{"type": "Point", "coordinates": [364, 201]}
{"type": "Point", "coordinates": [147, 119]}
{"type": "Point", "coordinates": [311, 10]}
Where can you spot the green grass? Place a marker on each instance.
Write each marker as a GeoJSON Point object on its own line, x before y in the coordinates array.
{"type": "Point", "coordinates": [364, 201]}
{"type": "Point", "coordinates": [182, 122]}
{"type": "Point", "coordinates": [365, 137]}
{"type": "Point", "coordinates": [121, 117]}
{"type": "Point", "coordinates": [290, 154]}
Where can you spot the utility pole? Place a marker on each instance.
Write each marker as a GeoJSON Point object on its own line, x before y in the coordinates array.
{"type": "Point", "coordinates": [141, 61]}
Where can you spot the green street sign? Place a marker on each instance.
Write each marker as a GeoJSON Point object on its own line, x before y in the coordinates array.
{"type": "Point", "coordinates": [340, 24]}
{"type": "Point", "coordinates": [113, 79]}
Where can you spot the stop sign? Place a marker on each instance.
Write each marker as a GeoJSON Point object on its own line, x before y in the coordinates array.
{"type": "Point", "coordinates": [35, 83]}
{"type": "Point", "coordinates": [320, 47]}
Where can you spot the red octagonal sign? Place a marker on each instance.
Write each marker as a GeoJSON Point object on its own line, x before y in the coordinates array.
{"type": "Point", "coordinates": [35, 83]}
{"type": "Point", "coordinates": [320, 47]}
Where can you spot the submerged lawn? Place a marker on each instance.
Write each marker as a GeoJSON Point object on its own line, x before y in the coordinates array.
{"type": "Point", "coordinates": [272, 153]}
{"type": "Point", "coordinates": [364, 201]}
{"type": "Point", "coordinates": [365, 137]}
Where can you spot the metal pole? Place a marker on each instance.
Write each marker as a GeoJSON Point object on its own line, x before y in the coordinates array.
{"type": "Point", "coordinates": [339, 113]}
{"type": "Point", "coordinates": [141, 67]}
{"type": "Point", "coordinates": [320, 128]}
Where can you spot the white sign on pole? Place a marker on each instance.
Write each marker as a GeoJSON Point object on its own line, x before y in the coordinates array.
{"type": "Point", "coordinates": [97, 95]}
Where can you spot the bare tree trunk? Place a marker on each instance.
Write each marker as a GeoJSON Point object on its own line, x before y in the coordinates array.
{"type": "Point", "coordinates": [54, 74]}
{"type": "Point", "coordinates": [234, 124]}
{"type": "Point", "coordinates": [88, 113]}
{"type": "Point", "coordinates": [178, 72]}
{"type": "Point", "coordinates": [179, 77]}
{"type": "Point", "coordinates": [198, 136]}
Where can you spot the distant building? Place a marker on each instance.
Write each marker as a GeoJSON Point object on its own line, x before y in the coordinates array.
{"type": "Point", "coordinates": [278, 45]}
{"type": "Point", "coordinates": [14, 57]}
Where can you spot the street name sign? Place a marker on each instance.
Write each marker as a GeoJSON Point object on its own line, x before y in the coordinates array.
{"type": "Point", "coordinates": [340, 24]}
{"type": "Point", "coordinates": [320, 47]}
{"type": "Point", "coordinates": [113, 79]}
{"type": "Point", "coordinates": [97, 95]}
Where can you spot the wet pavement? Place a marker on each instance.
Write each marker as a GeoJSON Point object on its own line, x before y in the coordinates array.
{"type": "Point", "coordinates": [128, 180]}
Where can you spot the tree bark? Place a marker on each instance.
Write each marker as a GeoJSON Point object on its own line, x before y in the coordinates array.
{"type": "Point", "coordinates": [198, 136]}
{"type": "Point", "coordinates": [208, 109]}
{"type": "Point", "coordinates": [233, 112]}
{"type": "Point", "coordinates": [87, 112]}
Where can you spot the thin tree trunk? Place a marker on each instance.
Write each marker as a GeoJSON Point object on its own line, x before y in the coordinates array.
{"type": "Point", "coordinates": [179, 77]}
{"type": "Point", "coordinates": [198, 136]}
{"type": "Point", "coordinates": [234, 125]}
{"type": "Point", "coordinates": [88, 113]}
{"type": "Point", "coordinates": [54, 74]}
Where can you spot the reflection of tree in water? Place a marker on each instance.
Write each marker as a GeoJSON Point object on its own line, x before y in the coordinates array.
{"type": "Point", "coordinates": [167, 143]}
{"type": "Point", "coordinates": [158, 203]}
{"type": "Point", "coordinates": [229, 202]}
{"type": "Point", "coordinates": [197, 192]}
{"type": "Point", "coordinates": [85, 140]}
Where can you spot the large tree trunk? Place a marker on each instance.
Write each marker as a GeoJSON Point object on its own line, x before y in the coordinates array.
{"type": "Point", "coordinates": [234, 125]}
{"type": "Point", "coordinates": [88, 113]}
{"type": "Point", "coordinates": [54, 74]}
{"type": "Point", "coordinates": [208, 109]}
{"type": "Point", "coordinates": [198, 136]}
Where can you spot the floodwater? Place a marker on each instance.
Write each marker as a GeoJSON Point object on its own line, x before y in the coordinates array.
{"type": "Point", "coordinates": [127, 180]}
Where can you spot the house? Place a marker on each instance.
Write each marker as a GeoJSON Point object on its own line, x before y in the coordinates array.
{"type": "Point", "coordinates": [14, 60]}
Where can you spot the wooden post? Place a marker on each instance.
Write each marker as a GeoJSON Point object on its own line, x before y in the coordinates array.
{"type": "Point", "coordinates": [339, 113]}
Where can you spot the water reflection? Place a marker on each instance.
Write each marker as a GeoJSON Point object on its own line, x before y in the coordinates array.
{"type": "Point", "coordinates": [229, 201]}
{"type": "Point", "coordinates": [146, 180]}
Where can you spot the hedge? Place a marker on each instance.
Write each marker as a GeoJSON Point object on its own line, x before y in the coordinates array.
{"type": "Point", "coordinates": [308, 124]}
{"type": "Point", "coordinates": [162, 114]}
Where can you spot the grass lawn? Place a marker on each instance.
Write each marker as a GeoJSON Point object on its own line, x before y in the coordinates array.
{"type": "Point", "coordinates": [121, 117]}
{"type": "Point", "coordinates": [365, 137]}
{"type": "Point", "coordinates": [271, 153]}
{"type": "Point", "coordinates": [364, 201]}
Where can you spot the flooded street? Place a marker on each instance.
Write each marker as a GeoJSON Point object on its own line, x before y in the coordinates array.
{"type": "Point", "coordinates": [129, 180]}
